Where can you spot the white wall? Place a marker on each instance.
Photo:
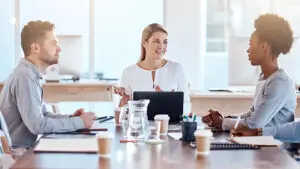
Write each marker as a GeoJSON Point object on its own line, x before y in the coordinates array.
{"type": "Point", "coordinates": [7, 55]}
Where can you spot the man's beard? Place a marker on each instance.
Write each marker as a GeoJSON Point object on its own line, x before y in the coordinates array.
{"type": "Point", "coordinates": [47, 59]}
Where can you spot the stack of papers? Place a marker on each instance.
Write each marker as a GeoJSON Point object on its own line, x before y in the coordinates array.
{"type": "Point", "coordinates": [86, 145]}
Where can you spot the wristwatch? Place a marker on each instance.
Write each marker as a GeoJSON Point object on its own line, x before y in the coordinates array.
{"type": "Point", "coordinates": [259, 131]}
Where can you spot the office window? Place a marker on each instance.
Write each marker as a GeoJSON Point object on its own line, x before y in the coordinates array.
{"type": "Point", "coordinates": [7, 42]}
{"type": "Point", "coordinates": [72, 29]}
{"type": "Point", "coordinates": [242, 16]}
{"type": "Point", "coordinates": [216, 26]}
{"type": "Point", "coordinates": [118, 32]}
{"type": "Point", "coordinates": [216, 71]}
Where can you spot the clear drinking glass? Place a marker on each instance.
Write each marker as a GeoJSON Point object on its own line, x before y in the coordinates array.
{"type": "Point", "coordinates": [124, 119]}
{"type": "Point", "coordinates": [154, 130]}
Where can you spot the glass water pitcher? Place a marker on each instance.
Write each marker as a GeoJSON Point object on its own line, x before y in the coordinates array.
{"type": "Point", "coordinates": [138, 125]}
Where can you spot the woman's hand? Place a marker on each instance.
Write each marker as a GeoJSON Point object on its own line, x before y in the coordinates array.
{"type": "Point", "coordinates": [119, 90]}
{"type": "Point", "coordinates": [243, 131]}
{"type": "Point", "coordinates": [158, 89]}
{"type": "Point", "coordinates": [124, 100]}
{"type": "Point", "coordinates": [213, 119]}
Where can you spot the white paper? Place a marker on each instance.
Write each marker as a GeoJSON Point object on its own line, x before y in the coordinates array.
{"type": "Point", "coordinates": [86, 145]}
{"type": "Point", "coordinates": [257, 140]}
{"type": "Point", "coordinates": [175, 136]}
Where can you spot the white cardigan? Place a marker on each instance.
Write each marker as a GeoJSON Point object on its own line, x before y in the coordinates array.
{"type": "Point", "coordinates": [169, 77]}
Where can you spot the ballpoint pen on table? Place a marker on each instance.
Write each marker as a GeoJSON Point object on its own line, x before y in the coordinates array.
{"type": "Point", "coordinates": [106, 119]}
{"type": "Point", "coordinates": [103, 117]}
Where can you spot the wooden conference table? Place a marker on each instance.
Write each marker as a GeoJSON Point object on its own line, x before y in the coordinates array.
{"type": "Point", "coordinates": [172, 154]}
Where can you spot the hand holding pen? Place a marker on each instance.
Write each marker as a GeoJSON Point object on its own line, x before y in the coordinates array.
{"type": "Point", "coordinates": [235, 125]}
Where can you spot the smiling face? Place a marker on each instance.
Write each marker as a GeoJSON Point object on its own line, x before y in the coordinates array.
{"type": "Point", "coordinates": [156, 45]}
{"type": "Point", "coordinates": [154, 42]}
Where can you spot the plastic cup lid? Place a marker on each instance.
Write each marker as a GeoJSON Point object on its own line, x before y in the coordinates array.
{"type": "Point", "coordinates": [203, 133]}
{"type": "Point", "coordinates": [104, 135]}
{"type": "Point", "coordinates": [162, 117]}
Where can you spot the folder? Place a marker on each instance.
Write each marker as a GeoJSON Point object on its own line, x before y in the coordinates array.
{"type": "Point", "coordinates": [268, 141]}
{"type": "Point", "coordinates": [78, 145]}
{"type": "Point", "coordinates": [91, 131]}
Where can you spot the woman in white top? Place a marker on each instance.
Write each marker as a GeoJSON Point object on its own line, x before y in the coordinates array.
{"type": "Point", "coordinates": [152, 72]}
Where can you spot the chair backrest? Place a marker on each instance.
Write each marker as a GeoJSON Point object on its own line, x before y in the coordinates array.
{"type": "Point", "coordinates": [4, 136]}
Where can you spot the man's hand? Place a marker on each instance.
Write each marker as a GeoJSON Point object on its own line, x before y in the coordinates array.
{"type": "Point", "coordinates": [88, 119]}
{"type": "Point", "coordinates": [78, 112]}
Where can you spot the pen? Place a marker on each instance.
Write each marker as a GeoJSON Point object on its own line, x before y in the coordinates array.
{"type": "Point", "coordinates": [237, 122]}
{"type": "Point", "coordinates": [127, 141]}
{"type": "Point", "coordinates": [108, 118]}
{"type": "Point", "coordinates": [236, 125]}
{"type": "Point", "coordinates": [184, 118]}
{"type": "Point", "coordinates": [103, 117]}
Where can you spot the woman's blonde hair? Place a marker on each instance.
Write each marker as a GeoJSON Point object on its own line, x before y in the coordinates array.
{"type": "Point", "coordinates": [147, 33]}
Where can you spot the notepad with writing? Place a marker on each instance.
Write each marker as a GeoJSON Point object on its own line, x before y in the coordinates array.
{"type": "Point", "coordinates": [257, 140]}
{"type": "Point", "coordinates": [86, 145]}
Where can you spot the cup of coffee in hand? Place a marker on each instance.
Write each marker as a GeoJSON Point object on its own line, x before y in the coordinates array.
{"type": "Point", "coordinates": [203, 138]}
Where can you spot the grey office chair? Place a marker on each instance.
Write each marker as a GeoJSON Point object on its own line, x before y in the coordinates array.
{"type": "Point", "coordinates": [4, 135]}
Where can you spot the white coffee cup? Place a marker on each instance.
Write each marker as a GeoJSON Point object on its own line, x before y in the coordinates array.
{"type": "Point", "coordinates": [203, 138]}
{"type": "Point", "coordinates": [164, 124]}
{"type": "Point", "coordinates": [104, 141]}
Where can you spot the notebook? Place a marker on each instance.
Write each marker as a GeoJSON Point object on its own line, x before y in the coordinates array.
{"type": "Point", "coordinates": [216, 130]}
{"type": "Point", "coordinates": [91, 131]}
{"type": "Point", "coordinates": [228, 146]}
{"type": "Point", "coordinates": [77, 145]}
{"type": "Point", "coordinates": [257, 140]}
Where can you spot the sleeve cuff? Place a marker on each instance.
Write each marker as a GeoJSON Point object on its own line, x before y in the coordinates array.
{"type": "Point", "coordinates": [268, 131]}
{"type": "Point", "coordinates": [78, 123]}
{"type": "Point", "coordinates": [117, 109]}
{"type": "Point", "coordinates": [227, 124]}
